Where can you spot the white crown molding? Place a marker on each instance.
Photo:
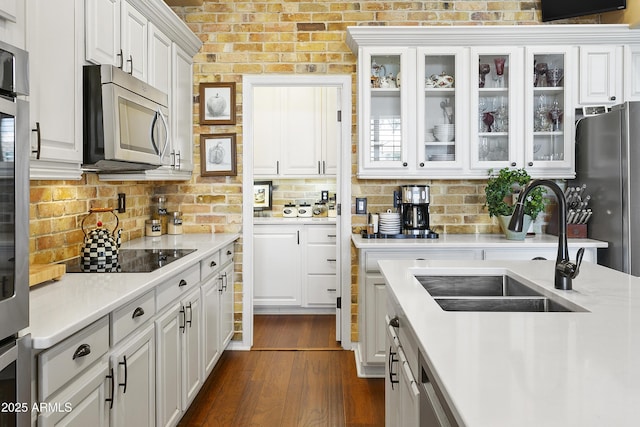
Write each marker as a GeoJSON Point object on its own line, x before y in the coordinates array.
{"type": "Point", "coordinates": [499, 35]}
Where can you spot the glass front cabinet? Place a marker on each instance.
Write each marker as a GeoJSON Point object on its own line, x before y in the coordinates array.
{"type": "Point", "coordinates": [386, 110]}
{"type": "Point", "coordinates": [452, 112]}
{"type": "Point", "coordinates": [549, 115]}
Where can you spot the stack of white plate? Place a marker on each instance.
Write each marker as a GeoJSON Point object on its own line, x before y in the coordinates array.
{"type": "Point", "coordinates": [389, 223]}
{"type": "Point", "coordinates": [442, 157]}
{"type": "Point", "coordinates": [444, 133]}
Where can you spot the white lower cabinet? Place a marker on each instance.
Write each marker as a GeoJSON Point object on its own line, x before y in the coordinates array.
{"type": "Point", "coordinates": [169, 365]}
{"type": "Point", "coordinates": [144, 363]}
{"type": "Point", "coordinates": [277, 265]}
{"type": "Point", "coordinates": [372, 299]}
{"type": "Point", "coordinates": [88, 396]}
{"type": "Point", "coordinates": [133, 364]}
{"type": "Point", "coordinates": [295, 266]}
{"type": "Point", "coordinates": [402, 395]}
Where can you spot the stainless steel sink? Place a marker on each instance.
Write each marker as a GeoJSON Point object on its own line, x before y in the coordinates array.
{"type": "Point", "coordinates": [490, 293]}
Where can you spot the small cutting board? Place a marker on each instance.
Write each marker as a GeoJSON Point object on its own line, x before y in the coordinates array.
{"type": "Point", "coordinates": [39, 273]}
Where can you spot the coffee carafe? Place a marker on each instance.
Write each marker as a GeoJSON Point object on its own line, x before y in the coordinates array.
{"type": "Point", "coordinates": [414, 210]}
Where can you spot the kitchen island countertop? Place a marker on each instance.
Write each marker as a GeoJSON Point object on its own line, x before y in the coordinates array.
{"type": "Point", "coordinates": [59, 309]}
{"type": "Point", "coordinates": [530, 369]}
{"type": "Point", "coordinates": [473, 241]}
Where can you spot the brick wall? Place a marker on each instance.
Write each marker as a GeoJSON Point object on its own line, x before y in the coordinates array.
{"type": "Point", "coordinates": [252, 37]}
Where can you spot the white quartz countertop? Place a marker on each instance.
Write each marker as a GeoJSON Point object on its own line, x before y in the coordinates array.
{"type": "Point", "coordinates": [60, 309]}
{"type": "Point", "coordinates": [473, 241]}
{"type": "Point", "coordinates": [530, 369]}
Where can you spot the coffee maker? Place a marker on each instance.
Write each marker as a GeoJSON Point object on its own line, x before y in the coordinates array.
{"type": "Point", "coordinates": [414, 211]}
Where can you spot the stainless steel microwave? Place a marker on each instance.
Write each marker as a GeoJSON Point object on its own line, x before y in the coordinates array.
{"type": "Point", "coordinates": [126, 122]}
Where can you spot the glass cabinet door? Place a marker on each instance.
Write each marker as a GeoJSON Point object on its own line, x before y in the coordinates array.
{"type": "Point", "coordinates": [440, 108]}
{"type": "Point", "coordinates": [495, 108]}
{"type": "Point", "coordinates": [384, 124]}
{"type": "Point", "coordinates": [549, 140]}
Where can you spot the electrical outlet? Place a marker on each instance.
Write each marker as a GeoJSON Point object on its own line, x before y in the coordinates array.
{"type": "Point", "coordinates": [122, 203]}
{"type": "Point", "coordinates": [361, 205]}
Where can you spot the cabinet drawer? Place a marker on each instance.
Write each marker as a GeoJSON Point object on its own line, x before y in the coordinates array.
{"type": "Point", "coordinates": [210, 265]}
{"type": "Point", "coordinates": [64, 361]}
{"type": "Point", "coordinates": [177, 286]}
{"type": "Point", "coordinates": [322, 290]}
{"type": "Point", "coordinates": [321, 259]}
{"type": "Point", "coordinates": [126, 319]}
{"type": "Point", "coordinates": [372, 258]}
{"type": "Point", "coordinates": [226, 254]}
{"type": "Point", "coordinates": [321, 234]}
{"type": "Point", "coordinates": [529, 254]}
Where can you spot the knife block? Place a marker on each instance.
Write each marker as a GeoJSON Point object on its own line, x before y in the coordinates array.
{"type": "Point", "coordinates": [574, 231]}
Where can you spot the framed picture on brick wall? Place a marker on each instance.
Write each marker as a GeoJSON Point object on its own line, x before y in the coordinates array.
{"type": "Point", "coordinates": [218, 155]}
{"type": "Point", "coordinates": [218, 103]}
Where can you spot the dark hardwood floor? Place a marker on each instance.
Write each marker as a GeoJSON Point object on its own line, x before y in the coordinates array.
{"type": "Point", "coordinates": [290, 385]}
{"type": "Point", "coordinates": [295, 332]}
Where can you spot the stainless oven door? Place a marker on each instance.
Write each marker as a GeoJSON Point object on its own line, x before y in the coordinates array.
{"type": "Point", "coordinates": [138, 127]}
{"type": "Point", "coordinates": [15, 381]}
{"type": "Point", "coordinates": [14, 216]}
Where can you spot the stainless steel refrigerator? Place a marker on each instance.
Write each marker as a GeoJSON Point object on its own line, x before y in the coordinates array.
{"type": "Point", "coordinates": [608, 162]}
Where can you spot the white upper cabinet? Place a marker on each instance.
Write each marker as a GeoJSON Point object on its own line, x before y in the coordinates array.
{"type": "Point", "coordinates": [496, 129]}
{"type": "Point", "coordinates": [150, 42]}
{"type": "Point", "coordinates": [159, 74]}
{"type": "Point", "coordinates": [455, 101]}
{"type": "Point", "coordinates": [632, 73]}
{"type": "Point", "coordinates": [548, 111]}
{"type": "Point", "coordinates": [441, 109]}
{"type": "Point", "coordinates": [134, 29]}
{"type": "Point", "coordinates": [102, 32]}
{"type": "Point", "coordinates": [296, 131]}
{"type": "Point", "coordinates": [55, 78]}
{"type": "Point", "coordinates": [601, 75]}
{"type": "Point", "coordinates": [384, 112]}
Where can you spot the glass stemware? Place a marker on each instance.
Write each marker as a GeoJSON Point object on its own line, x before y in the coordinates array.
{"type": "Point", "coordinates": [555, 115]}
{"type": "Point", "coordinates": [541, 69]}
{"type": "Point", "coordinates": [487, 119]}
{"type": "Point", "coordinates": [483, 70]}
{"type": "Point", "coordinates": [499, 63]}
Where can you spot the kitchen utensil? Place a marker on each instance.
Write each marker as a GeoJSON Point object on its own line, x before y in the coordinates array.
{"type": "Point", "coordinates": [100, 249]}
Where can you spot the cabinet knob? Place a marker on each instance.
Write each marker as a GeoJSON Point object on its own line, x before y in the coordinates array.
{"type": "Point", "coordinates": [513, 164]}
{"type": "Point", "coordinates": [182, 283]}
{"type": "Point", "coordinates": [405, 164]}
{"type": "Point", "coordinates": [394, 322]}
{"type": "Point", "coordinates": [530, 163]}
{"type": "Point", "coordinates": [421, 164]}
{"type": "Point", "coordinates": [213, 264]}
{"type": "Point", "coordinates": [613, 98]}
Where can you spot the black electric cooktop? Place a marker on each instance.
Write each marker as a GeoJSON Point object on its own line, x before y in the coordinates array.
{"type": "Point", "coordinates": [137, 260]}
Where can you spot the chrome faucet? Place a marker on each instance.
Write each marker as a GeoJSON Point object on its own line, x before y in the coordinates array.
{"type": "Point", "coordinates": [565, 270]}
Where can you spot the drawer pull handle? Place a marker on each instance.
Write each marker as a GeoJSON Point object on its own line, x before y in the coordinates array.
{"type": "Point", "coordinates": [38, 140]}
{"type": "Point", "coordinates": [82, 351]}
{"type": "Point", "coordinates": [213, 264]}
{"type": "Point", "coordinates": [184, 319]}
{"type": "Point", "coordinates": [331, 289]}
{"type": "Point", "coordinates": [182, 283]}
{"type": "Point", "coordinates": [331, 235]}
{"type": "Point", "coordinates": [331, 259]}
{"type": "Point", "coordinates": [188, 322]}
{"type": "Point", "coordinates": [110, 399]}
{"type": "Point", "coordinates": [139, 311]}
{"type": "Point", "coordinates": [392, 375]}
{"type": "Point", "coordinates": [124, 385]}
{"type": "Point", "coordinates": [229, 252]}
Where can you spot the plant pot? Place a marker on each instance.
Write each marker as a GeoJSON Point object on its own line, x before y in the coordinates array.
{"type": "Point", "coordinates": [503, 220]}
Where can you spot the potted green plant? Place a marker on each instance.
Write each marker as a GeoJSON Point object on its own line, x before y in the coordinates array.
{"type": "Point", "coordinates": [499, 201]}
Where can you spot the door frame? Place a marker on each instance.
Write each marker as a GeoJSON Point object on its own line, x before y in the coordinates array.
{"type": "Point", "coordinates": [343, 220]}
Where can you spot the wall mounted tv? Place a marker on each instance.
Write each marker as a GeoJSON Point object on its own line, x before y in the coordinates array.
{"type": "Point", "coordinates": [562, 9]}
